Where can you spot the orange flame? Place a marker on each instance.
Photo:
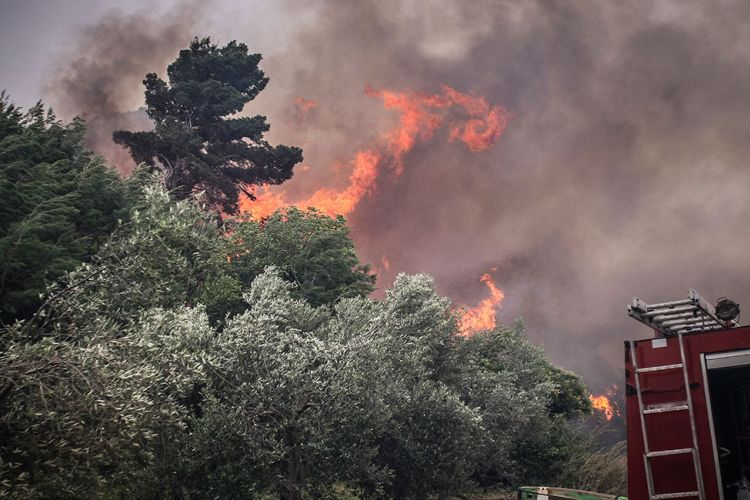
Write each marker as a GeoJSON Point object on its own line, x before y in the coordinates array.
{"type": "Point", "coordinates": [328, 201]}
{"type": "Point", "coordinates": [486, 125]}
{"type": "Point", "coordinates": [482, 317]}
{"type": "Point", "coordinates": [603, 404]}
{"type": "Point", "coordinates": [416, 121]}
{"type": "Point", "coordinates": [421, 116]}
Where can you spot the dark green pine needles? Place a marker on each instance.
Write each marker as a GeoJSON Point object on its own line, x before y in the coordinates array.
{"type": "Point", "coordinates": [194, 143]}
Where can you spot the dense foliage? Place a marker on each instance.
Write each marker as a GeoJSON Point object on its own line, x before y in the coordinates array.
{"type": "Point", "coordinates": [58, 203]}
{"type": "Point", "coordinates": [195, 144]}
{"type": "Point", "coordinates": [311, 250]}
{"type": "Point", "coordinates": [122, 385]}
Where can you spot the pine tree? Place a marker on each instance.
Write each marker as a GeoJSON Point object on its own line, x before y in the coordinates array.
{"type": "Point", "coordinates": [195, 144]}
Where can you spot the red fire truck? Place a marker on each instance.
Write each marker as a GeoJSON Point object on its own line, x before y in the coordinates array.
{"type": "Point", "coordinates": [687, 405]}
{"type": "Point", "coordinates": [688, 402]}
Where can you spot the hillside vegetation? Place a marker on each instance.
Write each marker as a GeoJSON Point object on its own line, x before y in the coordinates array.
{"type": "Point", "coordinates": [153, 349]}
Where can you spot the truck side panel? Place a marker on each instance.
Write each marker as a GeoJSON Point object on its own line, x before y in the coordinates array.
{"type": "Point", "coordinates": [671, 430]}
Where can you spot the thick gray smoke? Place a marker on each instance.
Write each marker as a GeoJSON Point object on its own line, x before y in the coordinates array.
{"type": "Point", "coordinates": [100, 77]}
{"type": "Point", "coordinates": [623, 172]}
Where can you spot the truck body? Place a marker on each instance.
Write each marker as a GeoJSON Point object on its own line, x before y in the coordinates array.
{"type": "Point", "coordinates": [694, 413]}
{"type": "Point", "coordinates": [687, 404]}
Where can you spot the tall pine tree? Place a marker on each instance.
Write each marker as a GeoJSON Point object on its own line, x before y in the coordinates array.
{"type": "Point", "coordinates": [195, 144]}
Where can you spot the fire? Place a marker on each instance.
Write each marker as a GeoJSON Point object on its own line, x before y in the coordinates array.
{"type": "Point", "coordinates": [265, 203]}
{"type": "Point", "coordinates": [421, 115]}
{"type": "Point", "coordinates": [486, 125]}
{"type": "Point", "coordinates": [416, 121]}
{"type": "Point", "coordinates": [361, 183]}
{"type": "Point", "coordinates": [603, 404]}
{"type": "Point", "coordinates": [329, 201]}
{"type": "Point", "coordinates": [482, 317]}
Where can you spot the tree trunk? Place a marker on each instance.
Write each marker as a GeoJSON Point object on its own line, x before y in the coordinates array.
{"type": "Point", "coordinates": [292, 489]}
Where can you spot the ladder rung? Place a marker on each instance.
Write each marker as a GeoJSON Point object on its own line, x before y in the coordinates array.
{"type": "Point", "coordinates": [664, 409]}
{"type": "Point", "coordinates": [672, 304]}
{"type": "Point", "coordinates": [670, 316]}
{"type": "Point", "coordinates": [664, 453]}
{"type": "Point", "coordinates": [680, 494]}
{"type": "Point", "coordinates": [660, 311]}
{"type": "Point", "coordinates": [659, 368]}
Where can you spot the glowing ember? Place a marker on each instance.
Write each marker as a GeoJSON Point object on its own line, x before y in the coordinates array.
{"type": "Point", "coordinates": [482, 317]}
{"type": "Point", "coordinates": [421, 116]}
{"type": "Point", "coordinates": [603, 404]}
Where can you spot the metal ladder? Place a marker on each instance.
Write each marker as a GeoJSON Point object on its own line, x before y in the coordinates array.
{"type": "Point", "coordinates": [694, 314]}
{"type": "Point", "coordinates": [675, 406]}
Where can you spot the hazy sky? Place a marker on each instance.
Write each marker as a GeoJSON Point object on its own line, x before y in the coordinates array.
{"type": "Point", "coordinates": [33, 32]}
{"type": "Point", "coordinates": [624, 170]}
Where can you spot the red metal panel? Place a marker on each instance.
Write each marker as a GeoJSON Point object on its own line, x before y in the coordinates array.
{"type": "Point", "coordinates": [672, 429]}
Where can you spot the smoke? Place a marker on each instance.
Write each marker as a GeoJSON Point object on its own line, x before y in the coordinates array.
{"type": "Point", "coordinates": [623, 171]}
{"type": "Point", "coordinates": [100, 77]}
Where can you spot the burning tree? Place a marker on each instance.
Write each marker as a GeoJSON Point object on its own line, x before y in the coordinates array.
{"type": "Point", "coordinates": [194, 144]}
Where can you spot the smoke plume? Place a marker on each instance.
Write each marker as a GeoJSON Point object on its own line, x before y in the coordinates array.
{"type": "Point", "coordinates": [100, 77]}
{"type": "Point", "coordinates": [622, 172]}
